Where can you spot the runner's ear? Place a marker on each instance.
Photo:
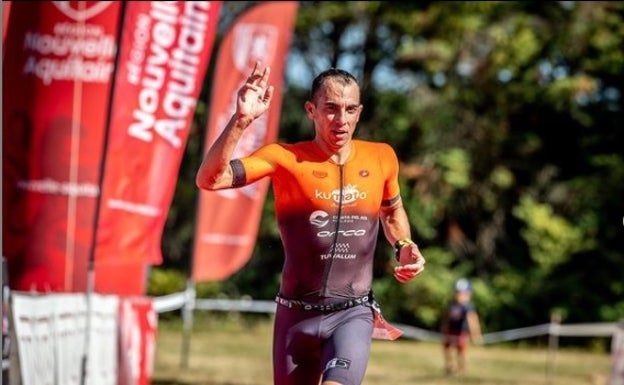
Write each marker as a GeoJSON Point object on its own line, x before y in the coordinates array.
{"type": "Point", "coordinates": [309, 109]}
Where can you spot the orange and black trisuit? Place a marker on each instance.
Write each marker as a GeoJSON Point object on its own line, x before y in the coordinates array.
{"type": "Point", "coordinates": [328, 218]}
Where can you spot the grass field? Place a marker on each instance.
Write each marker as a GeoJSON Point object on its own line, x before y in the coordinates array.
{"type": "Point", "coordinates": [236, 351]}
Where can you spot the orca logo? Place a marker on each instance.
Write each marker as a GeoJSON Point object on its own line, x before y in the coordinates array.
{"type": "Point", "coordinates": [319, 218]}
{"type": "Point", "coordinates": [81, 10]}
{"type": "Point", "coordinates": [344, 233]}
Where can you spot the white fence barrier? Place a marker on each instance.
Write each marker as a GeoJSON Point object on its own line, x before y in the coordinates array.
{"type": "Point", "coordinates": [554, 329]}
{"type": "Point", "coordinates": [606, 329]}
{"type": "Point", "coordinates": [47, 308]}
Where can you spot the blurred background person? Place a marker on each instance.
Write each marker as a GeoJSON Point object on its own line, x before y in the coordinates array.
{"type": "Point", "coordinates": [460, 325]}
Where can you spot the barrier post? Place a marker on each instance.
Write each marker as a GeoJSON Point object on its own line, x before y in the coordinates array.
{"type": "Point", "coordinates": [617, 355]}
{"type": "Point", "coordinates": [553, 345]}
{"type": "Point", "coordinates": [187, 317]}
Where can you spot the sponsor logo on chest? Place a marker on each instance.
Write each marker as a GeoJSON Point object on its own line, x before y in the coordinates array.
{"type": "Point", "coordinates": [350, 194]}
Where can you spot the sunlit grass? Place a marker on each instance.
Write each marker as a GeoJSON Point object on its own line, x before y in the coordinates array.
{"type": "Point", "coordinates": [231, 350]}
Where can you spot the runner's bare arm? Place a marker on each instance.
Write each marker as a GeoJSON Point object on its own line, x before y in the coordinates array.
{"type": "Point", "coordinates": [254, 99]}
{"type": "Point", "coordinates": [215, 172]}
{"type": "Point", "coordinates": [395, 222]}
{"type": "Point", "coordinates": [396, 228]}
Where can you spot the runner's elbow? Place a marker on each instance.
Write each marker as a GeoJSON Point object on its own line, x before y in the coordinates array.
{"type": "Point", "coordinates": [206, 183]}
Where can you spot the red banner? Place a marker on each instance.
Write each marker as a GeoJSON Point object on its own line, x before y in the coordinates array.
{"type": "Point", "coordinates": [164, 54]}
{"type": "Point", "coordinates": [228, 220]}
{"type": "Point", "coordinates": [55, 98]}
{"type": "Point", "coordinates": [6, 11]}
{"type": "Point", "coordinates": [138, 326]}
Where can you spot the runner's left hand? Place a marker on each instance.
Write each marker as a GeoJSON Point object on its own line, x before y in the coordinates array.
{"type": "Point", "coordinates": [411, 263]}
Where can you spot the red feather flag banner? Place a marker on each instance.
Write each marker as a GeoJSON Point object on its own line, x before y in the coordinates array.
{"type": "Point", "coordinates": [6, 11]}
{"type": "Point", "coordinates": [55, 91]}
{"type": "Point", "coordinates": [228, 220]}
{"type": "Point", "coordinates": [164, 53]}
{"type": "Point", "coordinates": [98, 99]}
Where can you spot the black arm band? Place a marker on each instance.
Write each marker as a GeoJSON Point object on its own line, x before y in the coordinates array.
{"type": "Point", "coordinates": [238, 173]}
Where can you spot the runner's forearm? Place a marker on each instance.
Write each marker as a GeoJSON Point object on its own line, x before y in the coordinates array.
{"type": "Point", "coordinates": [214, 172]}
{"type": "Point", "coordinates": [395, 224]}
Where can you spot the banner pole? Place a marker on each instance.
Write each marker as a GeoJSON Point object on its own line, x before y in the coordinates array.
{"type": "Point", "coordinates": [187, 318]}
{"type": "Point", "coordinates": [90, 285]}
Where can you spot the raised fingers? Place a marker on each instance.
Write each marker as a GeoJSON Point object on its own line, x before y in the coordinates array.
{"type": "Point", "coordinates": [264, 79]}
{"type": "Point", "coordinates": [258, 76]}
{"type": "Point", "coordinates": [253, 72]}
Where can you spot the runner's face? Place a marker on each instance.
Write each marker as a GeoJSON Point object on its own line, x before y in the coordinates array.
{"type": "Point", "coordinates": [335, 113]}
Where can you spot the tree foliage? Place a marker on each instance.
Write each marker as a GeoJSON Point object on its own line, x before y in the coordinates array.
{"type": "Point", "coordinates": [507, 119]}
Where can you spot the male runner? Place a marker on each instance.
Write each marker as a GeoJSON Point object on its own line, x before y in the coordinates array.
{"type": "Point", "coordinates": [331, 193]}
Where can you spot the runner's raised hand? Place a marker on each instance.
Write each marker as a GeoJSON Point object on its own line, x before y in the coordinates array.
{"type": "Point", "coordinates": [254, 96]}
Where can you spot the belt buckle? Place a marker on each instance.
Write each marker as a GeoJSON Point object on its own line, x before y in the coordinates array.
{"type": "Point", "coordinates": [284, 302]}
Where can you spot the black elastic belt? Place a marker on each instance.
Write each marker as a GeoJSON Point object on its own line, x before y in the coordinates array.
{"type": "Point", "coordinates": [326, 308]}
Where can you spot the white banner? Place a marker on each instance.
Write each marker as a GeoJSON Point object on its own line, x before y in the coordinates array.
{"type": "Point", "coordinates": [103, 341]}
{"type": "Point", "coordinates": [33, 320]}
{"type": "Point", "coordinates": [69, 328]}
{"type": "Point", "coordinates": [50, 338]}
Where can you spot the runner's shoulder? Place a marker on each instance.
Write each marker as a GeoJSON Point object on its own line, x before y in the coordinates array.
{"type": "Point", "coordinates": [381, 149]}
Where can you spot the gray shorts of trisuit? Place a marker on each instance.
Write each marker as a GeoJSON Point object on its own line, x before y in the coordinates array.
{"type": "Point", "coordinates": [310, 345]}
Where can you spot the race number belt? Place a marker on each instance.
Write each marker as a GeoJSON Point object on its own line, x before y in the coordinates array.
{"type": "Point", "coordinates": [325, 308]}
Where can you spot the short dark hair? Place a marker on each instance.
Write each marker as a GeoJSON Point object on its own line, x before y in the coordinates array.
{"type": "Point", "coordinates": [341, 75]}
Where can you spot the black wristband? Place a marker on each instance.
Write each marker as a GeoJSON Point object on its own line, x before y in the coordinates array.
{"type": "Point", "coordinates": [398, 245]}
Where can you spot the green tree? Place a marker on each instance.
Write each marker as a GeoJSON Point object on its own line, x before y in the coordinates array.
{"type": "Point", "coordinates": [507, 118]}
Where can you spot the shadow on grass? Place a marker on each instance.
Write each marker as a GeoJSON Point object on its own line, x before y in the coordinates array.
{"type": "Point", "coordinates": [464, 379]}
